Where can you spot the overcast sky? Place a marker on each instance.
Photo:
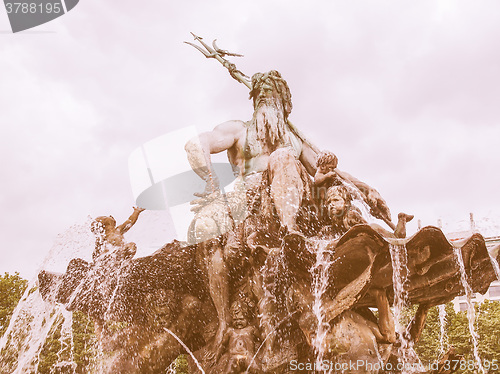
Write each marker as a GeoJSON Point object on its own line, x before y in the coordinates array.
{"type": "Point", "coordinates": [406, 94]}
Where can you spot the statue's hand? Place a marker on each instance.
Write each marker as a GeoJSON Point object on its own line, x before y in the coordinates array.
{"type": "Point", "coordinates": [379, 208]}
{"type": "Point", "coordinates": [204, 199]}
{"type": "Point", "coordinates": [138, 210]}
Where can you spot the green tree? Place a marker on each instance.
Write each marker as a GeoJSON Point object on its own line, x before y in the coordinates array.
{"type": "Point", "coordinates": [458, 336]}
{"type": "Point", "coordinates": [84, 342]}
{"type": "Point", "coordinates": [60, 354]}
{"type": "Point", "coordinates": [12, 288]}
{"type": "Point", "coordinates": [428, 346]}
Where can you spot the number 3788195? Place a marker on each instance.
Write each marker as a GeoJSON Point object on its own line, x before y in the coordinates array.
{"type": "Point", "coordinates": [33, 8]}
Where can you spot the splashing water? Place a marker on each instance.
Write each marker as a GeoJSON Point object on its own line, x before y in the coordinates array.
{"type": "Point", "coordinates": [399, 277]}
{"type": "Point", "coordinates": [443, 337]}
{"type": "Point", "coordinates": [30, 325]}
{"type": "Point", "coordinates": [471, 312]}
{"type": "Point", "coordinates": [494, 262]}
{"type": "Point", "coordinates": [268, 304]}
{"type": "Point", "coordinates": [321, 281]}
{"type": "Point", "coordinates": [268, 335]}
{"type": "Point", "coordinates": [33, 318]}
{"type": "Point", "coordinates": [186, 348]}
{"type": "Point", "coordinates": [65, 358]}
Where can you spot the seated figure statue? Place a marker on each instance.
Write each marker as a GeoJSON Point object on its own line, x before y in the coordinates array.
{"type": "Point", "coordinates": [342, 215]}
{"type": "Point", "coordinates": [326, 176]}
{"type": "Point", "coordinates": [265, 151]}
{"type": "Point", "coordinates": [240, 342]}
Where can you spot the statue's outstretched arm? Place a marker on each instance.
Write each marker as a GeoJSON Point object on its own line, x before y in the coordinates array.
{"type": "Point", "coordinates": [308, 158]}
{"type": "Point", "coordinates": [373, 198]}
{"type": "Point", "coordinates": [125, 226]}
{"type": "Point", "coordinates": [199, 149]}
{"type": "Point", "coordinates": [377, 204]}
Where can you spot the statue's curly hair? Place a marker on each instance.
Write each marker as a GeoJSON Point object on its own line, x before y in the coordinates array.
{"type": "Point", "coordinates": [274, 76]}
{"type": "Point", "coordinates": [339, 190]}
{"type": "Point", "coordinates": [327, 158]}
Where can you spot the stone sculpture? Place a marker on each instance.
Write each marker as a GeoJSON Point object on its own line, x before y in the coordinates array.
{"type": "Point", "coordinates": [242, 294]}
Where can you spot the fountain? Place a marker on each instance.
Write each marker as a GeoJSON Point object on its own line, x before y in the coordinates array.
{"type": "Point", "coordinates": [442, 329]}
{"type": "Point", "coordinates": [283, 272]}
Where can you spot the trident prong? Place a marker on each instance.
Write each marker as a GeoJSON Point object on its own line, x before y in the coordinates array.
{"type": "Point", "coordinates": [205, 53]}
{"type": "Point", "coordinates": [224, 52]}
{"type": "Point", "coordinates": [219, 55]}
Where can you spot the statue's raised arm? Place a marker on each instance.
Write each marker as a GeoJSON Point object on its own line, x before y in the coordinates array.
{"type": "Point", "coordinates": [371, 196]}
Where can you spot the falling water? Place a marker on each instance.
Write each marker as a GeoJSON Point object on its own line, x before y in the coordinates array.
{"type": "Point", "coordinates": [494, 262]}
{"type": "Point", "coordinates": [321, 281]}
{"type": "Point", "coordinates": [268, 335]}
{"type": "Point", "coordinates": [30, 325]}
{"type": "Point", "coordinates": [186, 348]}
{"type": "Point", "coordinates": [270, 301]}
{"type": "Point", "coordinates": [34, 319]}
{"type": "Point", "coordinates": [471, 312]}
{"type": "Point", "coordinates": [399, 277]}
{"type": "Point", "coordinates": [65, 360]}
{"type": "Point", "coordinates": [443, 338]}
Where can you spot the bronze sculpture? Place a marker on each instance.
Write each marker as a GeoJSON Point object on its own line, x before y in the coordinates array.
{"type": "Point", "coordinates": [243, 286]}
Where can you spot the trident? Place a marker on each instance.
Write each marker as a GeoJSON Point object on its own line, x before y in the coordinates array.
{"type": "Point", "coordinates": [219, 55]}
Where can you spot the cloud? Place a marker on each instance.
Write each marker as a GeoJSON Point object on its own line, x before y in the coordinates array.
{"type": "Point", "coordinates": [405, 93]}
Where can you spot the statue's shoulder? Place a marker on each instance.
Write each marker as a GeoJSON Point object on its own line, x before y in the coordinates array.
{"type": "Point", "coordinates": [233, 126]}
{"type": "Point", "coordinates": [229, 131]}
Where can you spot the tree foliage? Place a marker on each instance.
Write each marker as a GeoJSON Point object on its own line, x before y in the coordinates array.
{"type": "Point", "coordinates": [12, 288]}
{"type": "Point", "coordinates": [487, 326]}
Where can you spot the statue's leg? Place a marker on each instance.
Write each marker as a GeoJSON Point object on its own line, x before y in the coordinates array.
{"type": "Point", "coordinates": [206, 230]}
{"type": "Point", "coordinates": [266, 303]}
{"type": "Point", "coordinates": [400, 231]}
{"type": "Point", "coordinates": [218, 286]}
{"type": "Point", "coordinates": [233, 365]}
{"type": "Point", "coordinates": [287, 187]}
{"type": "Point", "coordinates": [385, 317]}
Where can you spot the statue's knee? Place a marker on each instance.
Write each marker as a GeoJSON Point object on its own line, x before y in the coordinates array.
{"type": "Point", "coordinates": [280, 158]}
{"type": "Point", "coordinates": [205, 228]}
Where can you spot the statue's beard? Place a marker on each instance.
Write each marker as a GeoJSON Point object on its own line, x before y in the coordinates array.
{"type": "Point", "coordinates": [269, 120]}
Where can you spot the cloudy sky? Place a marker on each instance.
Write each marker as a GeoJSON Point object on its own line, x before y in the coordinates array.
{"type": "Point", "coordinates": [405, 93]}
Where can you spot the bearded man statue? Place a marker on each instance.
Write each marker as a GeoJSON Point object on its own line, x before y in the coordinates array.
{"type": "Point", "coordinates": [266, 153]}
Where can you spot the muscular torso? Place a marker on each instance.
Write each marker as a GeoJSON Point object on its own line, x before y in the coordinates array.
{"type": "Point", "coordinates": [249, 159]}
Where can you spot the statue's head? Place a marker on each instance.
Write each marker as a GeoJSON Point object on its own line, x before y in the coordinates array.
{"type": "Point", "coordinates": [327, 161]}
{"type": "Point", "coordinates": [338, 200]}
{"type": "Point", "coordinates": [239, 314]}
{"type": "Point", "coordinates": [102, 222]}
{"type": "Point", "coordinates": [272, 105]}
{"type": "Point", "coordinates": [271, 86]}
